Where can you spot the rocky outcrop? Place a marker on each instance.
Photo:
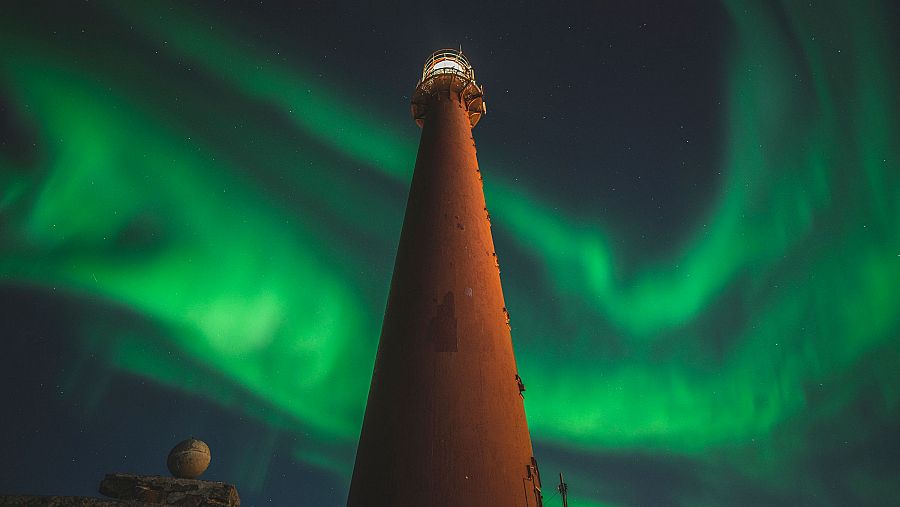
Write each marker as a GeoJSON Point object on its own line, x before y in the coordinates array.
{"type": "Point", "coordinates": [66, 501]}
{"type": "Point", "coordinates": [155, 489]}
{"type": "Point", "coordinates": [140, 491]}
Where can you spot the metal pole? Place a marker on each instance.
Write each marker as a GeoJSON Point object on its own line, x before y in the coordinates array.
{"type": "Point", "coordinates": [563, 490]}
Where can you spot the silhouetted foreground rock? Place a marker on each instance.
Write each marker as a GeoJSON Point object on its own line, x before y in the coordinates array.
{"type": "Point", "coordinates": [140, 491]}
{"type": "Point", "coordinates": [66, 501]}
{"type": "Point", "coordinates": [155, 489]}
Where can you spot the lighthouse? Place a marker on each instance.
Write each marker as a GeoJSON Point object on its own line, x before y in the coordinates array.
{"type": "Point", "coordinates": [445, 419]}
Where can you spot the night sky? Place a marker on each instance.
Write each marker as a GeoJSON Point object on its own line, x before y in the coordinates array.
{"type": "Point", "coordinates": [696, 207]}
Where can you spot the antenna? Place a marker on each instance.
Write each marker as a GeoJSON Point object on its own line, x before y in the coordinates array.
{"type": "Point", "coordinates": [563, 489]}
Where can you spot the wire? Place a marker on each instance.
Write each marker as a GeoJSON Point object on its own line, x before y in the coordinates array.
{"type": "Point", "coordinates": [554, 496]}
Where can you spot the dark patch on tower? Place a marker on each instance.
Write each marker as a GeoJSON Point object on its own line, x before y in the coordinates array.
{"type": "Point", "coordinates": [442, 327]}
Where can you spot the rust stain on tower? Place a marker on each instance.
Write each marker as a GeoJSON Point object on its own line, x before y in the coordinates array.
{"type": "Point", "coordinates": [445, 421]}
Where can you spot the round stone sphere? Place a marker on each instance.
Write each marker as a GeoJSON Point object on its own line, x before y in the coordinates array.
{"type": "Point", "coordinates": [188, 459]}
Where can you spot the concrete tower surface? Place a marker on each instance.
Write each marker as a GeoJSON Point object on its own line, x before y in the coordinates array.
{"type": "Point", "coordinates": [445, 420]}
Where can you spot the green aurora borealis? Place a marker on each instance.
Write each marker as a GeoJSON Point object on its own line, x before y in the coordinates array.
{"type": "Point", "coordinates": [764, 343]}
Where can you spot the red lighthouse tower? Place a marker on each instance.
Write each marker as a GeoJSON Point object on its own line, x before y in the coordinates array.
{"type": "Point", "coordinates": [445, 421]}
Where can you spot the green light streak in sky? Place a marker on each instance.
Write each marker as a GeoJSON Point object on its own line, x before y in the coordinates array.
{"type": "Point", "coordinates": [228, 306]}
{"type": "Point", "coordinates": [130, 204]}
{"type": "Point", "coordinates": [783, 165]}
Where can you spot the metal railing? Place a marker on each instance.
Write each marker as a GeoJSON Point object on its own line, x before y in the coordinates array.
{"type": "Point", "coordinates": [447, 61]}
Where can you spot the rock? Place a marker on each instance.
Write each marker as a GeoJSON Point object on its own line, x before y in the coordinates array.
{"type": "Point", "coordinates": [65, 501]}
{"type": "Point", "coordinates": [189, 459]}
{"type": "Point", "coordinates": [155, 489]}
